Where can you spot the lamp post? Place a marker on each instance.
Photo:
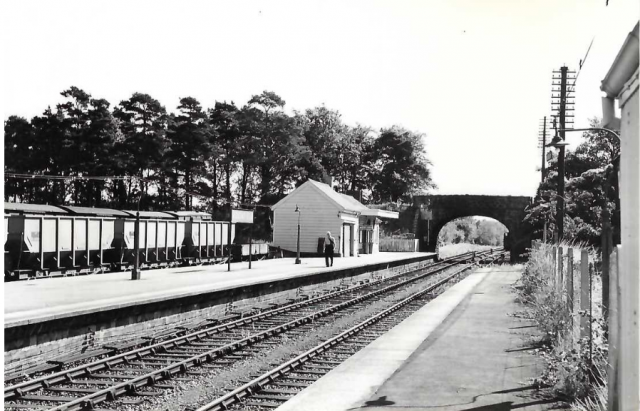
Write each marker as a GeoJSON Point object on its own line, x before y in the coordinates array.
{"type": "Point", "coordinates": [298, 248]}
{"type": "Point", "coordinates": [613, 133]}
{"type": "Point", "coordinates": [135, 273]}
{"type": "Point", "coordinates": [560, 144]}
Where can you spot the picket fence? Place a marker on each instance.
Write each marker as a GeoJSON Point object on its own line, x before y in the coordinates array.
{"type": "Point", "coordinates": [398, 245]}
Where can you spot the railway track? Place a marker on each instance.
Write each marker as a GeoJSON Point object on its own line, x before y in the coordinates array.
{"type": "Point", "coordinates": [276, 386]}
{"type": "Point", "coordinates": [149, 370]}
{"type": "Point", "coordinates": [234, 318]}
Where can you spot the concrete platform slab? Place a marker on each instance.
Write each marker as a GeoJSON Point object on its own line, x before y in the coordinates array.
{"type": "Point", "coordinates": [41, 300]}
{"type": "Point", "coordinates": [462, 351]}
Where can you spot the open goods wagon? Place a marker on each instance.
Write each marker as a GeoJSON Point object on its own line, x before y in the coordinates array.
{"type": "Point", "coordinates": [44, 240]}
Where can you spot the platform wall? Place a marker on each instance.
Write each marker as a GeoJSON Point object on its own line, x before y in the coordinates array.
{"type": "Point", "coordinates": [28, 344]}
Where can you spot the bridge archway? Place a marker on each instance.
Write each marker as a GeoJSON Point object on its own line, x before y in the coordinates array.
{"type": "Point", "coordinates": [434, 211]}
{"type": "Point", "coordinates": [479, 230]}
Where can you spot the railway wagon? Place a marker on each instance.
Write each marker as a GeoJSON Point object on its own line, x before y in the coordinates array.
{"type": "Point", "coordinates": [160, 243]}
{"type": "Point", "coordinates": [44, 240]}
{"type": "Point", "coordinates": [206, 240]}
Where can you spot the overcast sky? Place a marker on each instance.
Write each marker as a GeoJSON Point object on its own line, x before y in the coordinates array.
{"type": "Point", "coordinates": [473, 76]}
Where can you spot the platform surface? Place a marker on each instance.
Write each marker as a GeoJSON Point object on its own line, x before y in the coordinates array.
{"type": "Point", "coordinates": [463, 351]}
{"type": "Point", "coordinates": [41, 299]}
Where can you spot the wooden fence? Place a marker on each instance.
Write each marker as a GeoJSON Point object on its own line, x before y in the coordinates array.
{"type": "Point", "coordinates": [398, 245]}
{"type": "Point", "coordinates": [575, 283]}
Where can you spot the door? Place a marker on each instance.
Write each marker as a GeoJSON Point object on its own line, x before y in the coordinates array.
{"type": "Point", "coordinates": [346, 243]}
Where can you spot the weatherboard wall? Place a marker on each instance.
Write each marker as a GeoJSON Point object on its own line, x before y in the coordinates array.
{"type": "Point", "coordinates": [318, 215]}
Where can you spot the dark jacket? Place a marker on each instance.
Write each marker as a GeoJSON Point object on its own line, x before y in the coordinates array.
{"type": "Point", "coordinates": [329, 246]}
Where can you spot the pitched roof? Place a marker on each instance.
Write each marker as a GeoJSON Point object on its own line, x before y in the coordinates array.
{"type": "Point", "coordinates": [344, 201]}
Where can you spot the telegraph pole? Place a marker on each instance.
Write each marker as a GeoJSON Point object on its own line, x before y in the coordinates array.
{"type": "Point", "coordinates": [562, 101]}
{"type": "Point", "coordinates": [560, 199]}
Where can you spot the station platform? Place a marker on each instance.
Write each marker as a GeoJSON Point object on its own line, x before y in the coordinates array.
{"type": "Point", "coordinates": [34, 308]}
{"type": "Point", "coordinates": [465, 350]}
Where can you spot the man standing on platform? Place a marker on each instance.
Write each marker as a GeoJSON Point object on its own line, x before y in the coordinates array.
{"type": "Point", "coordinates": [329, 245]}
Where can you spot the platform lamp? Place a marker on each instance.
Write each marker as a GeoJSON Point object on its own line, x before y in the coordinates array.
{"type": "Point", "coordinates": [297, 210]}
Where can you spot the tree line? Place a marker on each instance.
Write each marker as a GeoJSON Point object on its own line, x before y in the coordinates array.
{"type": "Point", "coordinates": [591, 186]}
{"type": "Point", "coordinates": [197, 158]}
{"type": "Point", "coordinates": [473, 231]}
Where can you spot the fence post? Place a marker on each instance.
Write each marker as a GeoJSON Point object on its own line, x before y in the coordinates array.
{"type": "Point", "coordinates": [575, 304]}
{"type": "Point", "coordinates": [554, 255]}
{"type": "Point", "coordinates": [607, 243]}
{"type": "Point", "coordinates": [585, 303]}
{"type": "Point", "coordinates": [569, 288]}
{"type": "Point", "coordinates": [612, 366]}
{"type": "Point", "coordinates": [592, 271]}
{"type": "Point", "coordinates": [560, 276]}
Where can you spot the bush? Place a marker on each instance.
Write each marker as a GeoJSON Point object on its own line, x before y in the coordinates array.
{"type": "Point", "coordinates": [538, 290]}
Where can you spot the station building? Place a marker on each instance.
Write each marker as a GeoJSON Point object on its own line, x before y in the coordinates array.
{"type": "Point", "coordinates": [355, 227]}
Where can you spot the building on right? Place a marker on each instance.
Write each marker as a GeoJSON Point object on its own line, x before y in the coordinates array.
{"type": "Point", "coordinates": [621, 84]}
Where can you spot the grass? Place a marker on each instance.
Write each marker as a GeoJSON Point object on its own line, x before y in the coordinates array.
{"type": "Point", "coordinates": [575, 369]}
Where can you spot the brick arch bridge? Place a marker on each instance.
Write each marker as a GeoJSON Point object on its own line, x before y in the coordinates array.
{"type": "Point", "coordinates": [432, 212]}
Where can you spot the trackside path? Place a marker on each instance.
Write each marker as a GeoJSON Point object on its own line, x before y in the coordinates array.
{"type": "Point", "coordinates": [462, 351]}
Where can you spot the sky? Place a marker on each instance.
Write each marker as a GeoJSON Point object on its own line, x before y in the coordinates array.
{"type": "Point", "coordinates": [473, 76]}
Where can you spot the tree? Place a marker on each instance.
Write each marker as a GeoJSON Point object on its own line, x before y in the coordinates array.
{"type": "Point", "coordinates": [48, 156]}
{"type": "Point", "coordinates": [102, 134]}
{"type": "Point", "coordinates": [401, 167]}
{"type": "Point", "coordinates": [19, 149]}
{"type": "Point", "coordinates": [590, 186]}
{"type": "Point", "coordinates": [89, 133]}
{"type": "Point", "coordinates": [253, 154]}
{"type": "Point", "coordinates": [250, 146]}
{"type": "Point", "coordinates": [189, 137]}
{"type": "Point", "coordinates": [225, 120]}
{"type": "Point", "coordinates": [323, 130]}
{"type": "Point", "coordinates": [143, 122]}
{"type": "Point", "coordinates": [472, 230]}
{"type": "Point", "coordinates": [278, 148]}
{"type": "Point", "coordinates": [356, 159]}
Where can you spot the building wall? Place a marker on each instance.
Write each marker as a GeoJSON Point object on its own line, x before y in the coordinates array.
{"type": "Point", "coordinates": [629, 263]}
{"type": "Point", "coordinates": [318, 215]}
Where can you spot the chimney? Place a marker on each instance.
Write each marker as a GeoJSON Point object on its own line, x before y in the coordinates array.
{"type": "Point", "coordinates": [327, 179]}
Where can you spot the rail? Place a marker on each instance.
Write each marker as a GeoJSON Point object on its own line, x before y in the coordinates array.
{"type": "Point", "coordinates": [132, 385]}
